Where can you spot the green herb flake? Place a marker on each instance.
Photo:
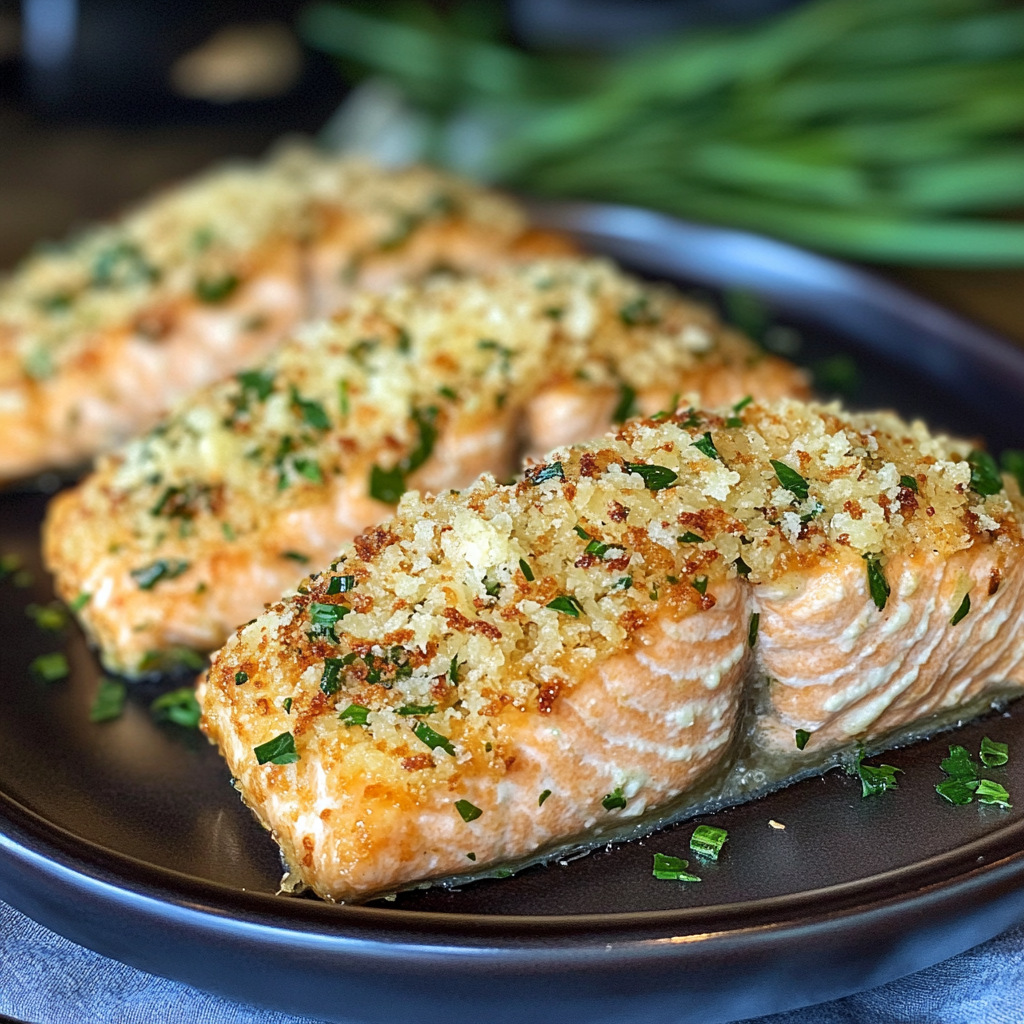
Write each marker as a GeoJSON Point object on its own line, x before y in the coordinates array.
{"type": "Point", "coordinates": [627, 404]}
{"type": "Point", "coordinates": [878, 585]}
{"type": "Point", "coordinates": [416, 709]}
{"type": "Point", "coordinates": [700, 584]}
{"type": "Point", "coordinates": [790, 479]}
{"type": "Point", "coordinates": [341, 584]}
{"type": "Point", "coordinates": [743, 403]}
{"type": "Point", "coordinates": [471, 856]}
{"type": "Point", "coordinates": [296, 556]}
{"type": "Point", "coordinates": [279, 750]}
{"type": "Point", "coordinates": [742, 569]}
{"type": "Point", "coordinates": [108, 703]}
{"type": "Point", "coordinates": [287, 705]}
{"type": "Point", "coordinates": [256, 382]}
{"type": "Point", "coordinates": [961, 613]}
{"type": "Point", "coordinates": [453, 671]}
{"type": "Point", "coordinates": [993, 754]}
{"type": "Point", "coordinates": [707, 446]}
{"type": "Point", "coordinates": [543, 797]}
{"type": "Point", "coordinates": [387, 485]}
{"type": "Point", "coordinates": [672, 869]}
{"type": "Point", "coordinates": [178, 706]}
{"type": "Point", "coordinates": [614, 800]}
{"type": "Point", "coordinates": [330, 680]}
{"type": "Point", "coordinates": [956, 791]}
{"type": "Point", "coordinates": [875, 780]}
{"type": "Point", "coordinates": [526, 570]}
{"type": "Point", "coordinates": [344, 406]}
{"type": "Point", "coordinates": [469, 812]}
{"type": "Point", "coordinates": [491, 587]}
{"type": "Point", "coordinates": [311, 412]}
{"type": "Point", "coordinates": [541, 473]}
{"type": "Point", "coordinates": [985, 477]}
{"type": "Point", "coordinates": [241, 678]}
{"type": "Point", "coordinates": [708, 840]}
{"type": "Point", "coordinates": [960, 765]}
{"type": "Point", "coordinates": [755, 623]}
{"type": "Point", "coordinates": [80, 601]}
{"type": "Point", "coordinates": [148, 576]}
{"type": "Point", "coordinates": [50, 617]}
{"type": "Point", "coordinates": [596, 548]}
{"type": "Point", "coordinates": [9, 565]}
{"type": "Point", "coordinates": [623, 583]}
{"type": "Point", "coordinates": [48, 668]}
{"type": "Point", "coordinates": [450, 393]}
{"type": "Point", "coordinates": [321, 614]}
{"type": "Point", "coordinates": [802, 736]}
{"type": "Point", "coordinates": [655, 477]}
{"type": "Point", "coordinates": [1013, 463]}
{"type": "Point", "coordinates": [637, 312]}
{"type": "Point", "coordinates": [432, 739]}
{"type": "Point", "coordinates": [989, 792]}
{"type": "Point", "coordinates": [355, 714]}
{"type": "Point", "coordinates": [910, 482]}
{"type": "Point", "coordinates": [213, 290]}
{"type": "Point", "coordinates": [690, 538]}
{"type": "Point", "coordinates": [567, 605]}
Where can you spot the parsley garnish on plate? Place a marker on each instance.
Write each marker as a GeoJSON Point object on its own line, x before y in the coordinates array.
{"type": "Point", "coordinates": [279, 750]}
{"type": "Point", "coordinates": [672, 869]}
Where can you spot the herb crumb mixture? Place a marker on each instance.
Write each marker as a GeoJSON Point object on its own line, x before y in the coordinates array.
{"type": "Point", "coordinates": [441, 616]}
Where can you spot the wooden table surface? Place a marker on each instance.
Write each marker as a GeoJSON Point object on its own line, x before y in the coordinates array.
{"type": "Point", "coordinates": [54, 178]}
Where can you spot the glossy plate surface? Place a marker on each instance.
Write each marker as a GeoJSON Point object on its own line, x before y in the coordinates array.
{"type": "Point", "coordinates": [128, 838]}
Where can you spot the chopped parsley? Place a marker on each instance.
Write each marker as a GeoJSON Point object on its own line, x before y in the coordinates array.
{"type": "Point", "coordinates": [596, 548]}
{"type": "Point", "coordinates": [961, 613]}
{"type": "Point", "coordinates": [172, 658]}
{"type": "Point", "coordinates": [655, 477]}
{"type": "Point", "coordinates": [355, 714]}
{"type": "Point", "coordinates": [48, 668]}
{"type": "Point", "coordinates": [468, 811]}
{"type": "Point", "coordinates": [256, 383]}
{"type": "Point", "coordinates": [387, 485]}
{"type": "Point", "coordinates": [910, 482]}
{"type": "Point", "coordinates": [963, 783]}
{"type": "Point", "coordinates": [543, 797]}
{"type": "Point", "coordinates": [567, 605]}
{"type": "Point", "coordinates": [790, 479]}
{"type": "Point", "coordinates": [524, 567]}
{"type": "Point", "coordinates": [1013, 463]}
{"type": "Point", "coordinates": [311, 412]}
{"type": "Point", "coordinates": [707, 446]}
{"type": "Point", "coordinates": [330, 680]}
{"type": "Point", "coordinates": [541, 473]}
{"type": "Point", "coordinates": [742, 569]}
{"type": "Point", "coordinates": [148, 576]}
{"type": "Point", "coordinates": [341, 584]}
{"type": "Point", "coordinates": [623, 583]}
{"type": "Point", "coordinates": [581, 533]}
{"type": "Point", "coordinates": [755, 623]}
{"type": "Point", "coordinates": [108, 703]}
{"type": "Point", "coordinates": [802, 736]}
{"type": "Point", "coordinates": [287, 705]}
{"type": "Point", "coordinates": [700, 584]}
{"type": "Point", "coordinates": [241, 678]}
{"type": "Point", "coordinates": [627, 404]}
{"type": "Point", "coordinates": [416, 709]}
{"type": "Point", "coordinates": [690, 538]}
{"type": "Point", "coordinates": [327, 615]}
{"type": "Point", "coordinates": [491, 587]}
{"type": "Point", "coordinates": [279, 750]}
{"type": "Point", "coordinates": [637, 312]}
{"type": "Point", "coordinates": [296, 556]}
{"type": "Point", "coordinates": [878, 585]}
{"type": "Point", "coordinates": [985, 477]}
{"type": "Point", "coordinates": [875, 780]}
{"type": "Point", "coordinates": [993, 754]}
{"type": "Point", "coordinates": [212, 290]}
{"type": "Point", "coordinates": [989, 792]}
{"type": "Point", "coordinates": [178, 706]}
{"type": "Point", "coordinates": [432, 739]}
{"type": "Point", "coordinates": [343, 402]}
{"type": "Point", "coordinates": [446, 392]}
{"type": "Point", "coordinates": [614, 800]}
{"type": "Point", "coordinates": [672, 869]}
{"type": "Point", "coordinates": [453, 670]}
{"type": "Point", "coordinates": [121, 265]}
{"type": "Point", "coordinates": [471, 856]}
{"type": "Point", "coordinates": [50, 617]}
{"type": "Point", "coordinates": [80, 601]}
{"type": "Point", "coordinates": [708, 840]}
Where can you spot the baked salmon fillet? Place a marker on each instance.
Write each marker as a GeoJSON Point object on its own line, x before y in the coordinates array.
{"type": "Point", "coordinates": [493, 676]}
{"type": "Point", "coordinates": [192, 528]}
{"type": "Point", "coordinates": [101, 335]}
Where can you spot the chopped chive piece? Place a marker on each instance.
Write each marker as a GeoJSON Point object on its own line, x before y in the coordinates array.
{"type": "Point", "coordinates": [471, 856]}
{"type": "Point", "coordinates": [148, 576]}
{"type": "Point", "coordinates": [654, 477]}
{"type": "Point", "coordinates": [216, 289]}
{"type": "Point", "coordinates": [961, 612]}
{"type": "Point", "coordinates": [354, 714]}
{"type": "Point", "coordinates": [491, 587]}
{"type": "Point", "coordinates": [581, 533]}
{"type": "Point", "coordinates": [432, 739]}
{"type": "Point", "coordinates": [743, 403]}
{"type": "Point", "coordinates": [543, 797]}
{"type": "Point", "coordinates": [341, 584]}
{"type": "Point", "coordinates": [80, 602]}
{"type": "Point", "coordinates": [733, 421]}
{"type": "Point", "coordinates": [910, 482]}
{"type": "Point", "coordinates": [527, 571]}
{"type": "Point", "coordinates": [387, 485]}
{"type": "Point", "coordinates": [960, 764]}
{"type": "Point", "coordinates": [790, 479]}
{"type": "Point", "coordinates": [50, 617]}
{"type": "Point", "coordinates": [287, 705]}
{"type": "Point", "coordinates": [614, 800]}
{"type": "Point", "coordinates": [279, 750]}
{"type": "Point", "coordinates": [178, 706]}
{"type": "Point", "coordinates": [707, 446]}
{"type": "Point", "coordinates": [708, 840]}
{"type": "Point", "coordinates": [310, 411]}
{"type": "Point", "coordinates": [690, 538]}
{"type": "Point", "coordinates": [330, 681]}
{"type": "Point", "coordinates": [993, 754]}
{"type": "Point", "coordinates": [468, 811]}
{"type": "Point", "coordinates": [985, 478]}
{"type": "Point", "coordinates": [48, 668]}
{"type": "Point", "coordinates": [327, 614]}
{"type": "Point", "coordinates": [453, 670]}
{"type": "Point", "coordinates": [310, 469]}
{"type": "Point", "coordinates": [623, 583]}
{"type": "Point", "coordinates": [542, 473]}
{"type": "Point", "coordinates": [566, 604]}
{"type": "Point", "coordinates": [755, 623]}
{"type": "Point", "coordinates": [877, 583]}
{"type": "Point", "coordinates": [672, 869]}
{"type": "Point", "coordinates": [627, 404]}
{"type": "Point", "coordinates": [956, 791]}
{"type": "Point", "coordinates": [296, 556]}
{"type": "Point", "coordinates": [700, 584]}
{"type": "Point", "coordinates": [742, 569]}
{"type": "Point", "coordinates": [875, 780]}
{"type": "Point", "coordinates": [255, 381]}
{"type": "Point", "coordinates": [802, 736]}
{"type": "Point", "coordinates": [241, 677]}
{"type": "Point", "coordinates": [595, 547]}
{"type": "Point", "coordinates": [989, 792]}
{"type": "Point", "coordinates": [417, 709]}
{"type": "Point", "coordinates": [109, 701]}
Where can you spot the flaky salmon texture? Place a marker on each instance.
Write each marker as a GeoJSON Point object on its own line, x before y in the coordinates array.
{"type": "Point", "coordinates": [191, 529]}
{"type": "Point", "coordinates": [102, 334]}
{"type": "Point", "coordinates": [492, 675]}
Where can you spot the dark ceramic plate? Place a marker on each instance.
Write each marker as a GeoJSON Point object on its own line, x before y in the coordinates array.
{"type": "Point", "coordinates": [128, 838]}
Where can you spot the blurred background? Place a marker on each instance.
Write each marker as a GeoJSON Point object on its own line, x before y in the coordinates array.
{"type": "Point", "coordinates": [889, 132]}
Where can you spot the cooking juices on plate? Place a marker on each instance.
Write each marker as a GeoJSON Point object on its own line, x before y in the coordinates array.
{"type": "Point", "coordinates": [492, 675]}
{"type": "Point", "coordinates": [190, 529]}
{"type": "Point", "coordinates": [103, 333]}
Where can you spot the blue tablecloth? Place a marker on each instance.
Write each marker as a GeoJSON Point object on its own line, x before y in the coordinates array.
{"type": "Point", "coordinates": [45, 979]}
